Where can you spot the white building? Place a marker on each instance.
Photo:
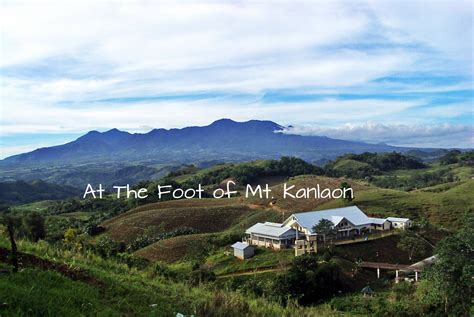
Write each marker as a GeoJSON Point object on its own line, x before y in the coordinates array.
{"type": "Point", "coordinates": [400, 222]}
{"type": "Point", "coordinates": [297, 230]}
{"type": "Point", "coordinates": [271, 235]}
{"type": "Point", "coordinates": [243, 250]}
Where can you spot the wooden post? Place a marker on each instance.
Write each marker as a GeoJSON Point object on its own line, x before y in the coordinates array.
{"type": "Point", "coordinates": [378, 272]}
{"type": "Point", "coordinates": [416, 276]}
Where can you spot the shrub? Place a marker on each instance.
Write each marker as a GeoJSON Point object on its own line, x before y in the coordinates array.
{"type": "Point", "coordinates": [201, 275]}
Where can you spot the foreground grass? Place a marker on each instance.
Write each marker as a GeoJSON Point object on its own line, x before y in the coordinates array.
{"type": "Point", "coordinates": [223, 261]}
{"type": "Point", "coordinates": [34, 292]}
{"type": "Point", "coordinates": [121, 290]}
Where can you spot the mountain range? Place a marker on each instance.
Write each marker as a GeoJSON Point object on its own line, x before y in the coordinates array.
{"type": "Point", "coordinates": [223, 140]}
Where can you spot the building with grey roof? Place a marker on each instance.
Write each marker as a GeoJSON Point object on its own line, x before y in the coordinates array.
{"type": "Point", "coordinates": [347, 221]}
{"type": "Point", "coordinates": [243, 250]}
{"type": "Point", "coordinates": [297, 231]}
{"type": "Point", "coordinates": [400, 222]}
{"type": "Point", "coordinates": [271, 235]}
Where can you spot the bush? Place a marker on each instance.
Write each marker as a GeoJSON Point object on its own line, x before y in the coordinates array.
{"type": "Point", "coordinates": [308, 281]}
{"type": "Point", "coordinates": [106, 247]}
{"type": "Point", "coordinates": [132, 260]}
{"type": "Point", "coordinates": [201, 275]}
{"type": "Point", "coordinates": [34, 226]}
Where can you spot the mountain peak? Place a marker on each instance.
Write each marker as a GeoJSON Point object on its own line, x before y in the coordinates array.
{"type": "Point", "coordinates": [258, 124]}
{"type": "Point", "coordinates": [223, 121]}
{"type": "Point", "coordinates": [114, 131]}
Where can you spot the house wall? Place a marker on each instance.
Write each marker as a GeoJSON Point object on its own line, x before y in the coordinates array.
{"type": "Point", "coordinates": [384, 226]}
{"type": "Point", "coordinates": [265, 242]}
{"type": "Point", "coordinates": [401, 224]}
{"type": "Point", "coordinates": [248, 252]}
{"type": "Point", "coordinates": [239, 253]}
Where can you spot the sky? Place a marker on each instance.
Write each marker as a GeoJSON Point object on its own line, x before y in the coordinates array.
{"type": "Point", "coordinates": [399, 72]}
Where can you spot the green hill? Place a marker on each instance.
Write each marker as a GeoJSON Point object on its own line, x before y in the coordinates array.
{"type": "Point", "coordinates": [22, 192]}
{"type": "Point", "coordinates": [204, 215]}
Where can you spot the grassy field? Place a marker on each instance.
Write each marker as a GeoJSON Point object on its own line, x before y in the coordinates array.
{"type": "Point", "coordinates": [39, 206]}
{"type": "Point", "coordinates": [349, 165]}
{"type": "Point", "coordinates": [113, 289]}
{"type": "Point", "coordinates": [463, 172]}
{"type": "Point", "coordinates": [224, 262]}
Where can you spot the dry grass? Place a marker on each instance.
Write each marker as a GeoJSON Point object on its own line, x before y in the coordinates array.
{"type": "Point", "coordinates": [175, 249]}
{"type": "Point", "coordinates": [207, 215]}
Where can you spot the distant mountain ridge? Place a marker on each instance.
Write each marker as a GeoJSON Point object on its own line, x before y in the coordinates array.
{"type": "Point", "coordinates": [224, 139]}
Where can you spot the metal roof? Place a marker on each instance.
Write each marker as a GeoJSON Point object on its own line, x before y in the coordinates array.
{"type": "Point", "coordinates": [397, 219]}
{"type": "Point", "coordinates": [271, 229]}
{"type": "Point", "coordinates": [352, 214]}
{"type": "Point", "coordinates": [378, 221]}
{"type": "Point", "coordinates": [240, 245]}
{"type": "Point", "coordinates": [423, 264]}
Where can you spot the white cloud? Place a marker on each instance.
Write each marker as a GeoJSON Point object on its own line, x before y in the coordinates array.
{"type": "Point", "coordinates": [441, 135]}
{"type": "Point", "coordinates": [170, 114]}
{"type": "Point", "coordinates": [58, 56]}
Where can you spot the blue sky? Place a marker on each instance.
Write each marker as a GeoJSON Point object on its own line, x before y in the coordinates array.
{"type": "Point", "coordinates": [398, 72]}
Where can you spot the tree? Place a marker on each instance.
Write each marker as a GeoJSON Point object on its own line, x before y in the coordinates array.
{"type": "Point", "coordinates": [12, 224]}
{"type": "Point", "coordinates": [450, 158]}
{"type": "Point", "coordinates": [201, 275]}
{"type": "Point", "coordinates": [450, 278]}
{"type": "Point", "coordinates": [309, 281]}
{"type": "Point", "coordinates": [34, 225]}
{"type": "Point", "coordinates": [324, 227]}
{"type": "Point", "coordinates": [412, 244]}
{"type": "Point", "coordinates": [345, 188]}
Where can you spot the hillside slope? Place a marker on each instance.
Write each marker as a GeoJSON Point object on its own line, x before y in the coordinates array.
{"type": "Point", "coordinates": [21, 192]}
{"type": "Point", "coordinates": [204, 215]}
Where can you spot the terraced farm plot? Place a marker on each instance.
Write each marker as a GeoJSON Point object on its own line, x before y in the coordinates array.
{"type": "Point", "coordinates": [176, 249]}
{"type": "Point", "coordinates": [207, 215]}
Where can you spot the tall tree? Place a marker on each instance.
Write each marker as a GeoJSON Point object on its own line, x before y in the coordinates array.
{"type": "Point", "coordinates": [346, 188]}
{"type": "Point", "coordinates": [324, 227]}
{"type": "Point", "coordinates": [12, 224]}
{"type": "Point", "coordinates": [34, 225]}
{"type": "Point", "coordinates": [412, 244]}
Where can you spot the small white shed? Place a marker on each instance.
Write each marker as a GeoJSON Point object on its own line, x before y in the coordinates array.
{"type": "Point", "coordinates": [399, 223]}
{"type": "Point", "coordinates": [243, 250]}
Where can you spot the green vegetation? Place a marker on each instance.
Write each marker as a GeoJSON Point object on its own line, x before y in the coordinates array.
{"type": "Point", "coordinates": [369, 164]}
{"type": "Point", "coordinates": [309, 281]}
{"type": "Point", "coordinates": [21, 192]}
{"type": "Point", "coordinates": [325, 228]}
{"type": "Point", "coordinates": [456, 156]}
{"type": "Point", "coordinates": [34, 292]}
{"type": "Point", "coordinates": [245, 173]}
{"type": "Point", "coordinates": [449, 285]}
{"type": "Point", "coordinates": [105, 287]}
{"type": "Point", "coordinates": [146, 259]}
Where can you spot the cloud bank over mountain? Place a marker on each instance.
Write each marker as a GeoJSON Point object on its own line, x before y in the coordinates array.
{"type": "Point", "coordinates": [444, 135]}
{"type": "Point", "coordinates": [72, 67]}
